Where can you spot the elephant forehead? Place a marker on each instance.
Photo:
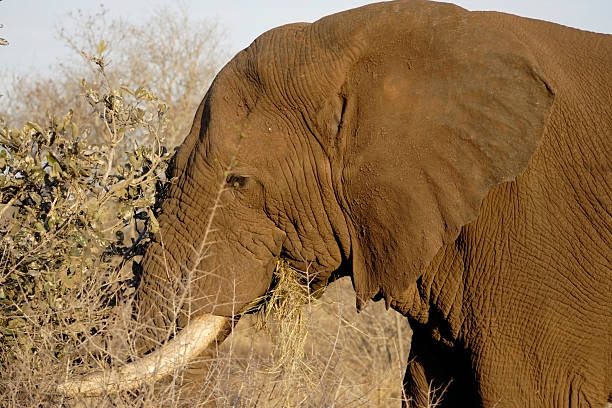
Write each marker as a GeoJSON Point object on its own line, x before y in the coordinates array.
{"type": "Point", "coordinates": [248, 133]}
{"type": "Point", "coordinates": [247, 136]}
{"type": "Point", "coordinates": [395, 87]}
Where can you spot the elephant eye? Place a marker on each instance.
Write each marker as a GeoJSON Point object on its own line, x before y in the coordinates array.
{"type": "Point", "coordinates": [235, 181]}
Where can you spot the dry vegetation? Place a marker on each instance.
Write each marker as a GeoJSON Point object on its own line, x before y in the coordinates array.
{"type": "Point", "coordinates": [169, 54]}
{"type": "Point", "coordinates": [83, 163]}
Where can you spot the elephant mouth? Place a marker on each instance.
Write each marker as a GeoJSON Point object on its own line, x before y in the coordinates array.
{"type": "Point", "coordinates": [310, 272]}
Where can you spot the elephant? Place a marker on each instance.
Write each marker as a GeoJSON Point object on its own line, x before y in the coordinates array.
{"type": "Point", "coordinates": [455, 164]}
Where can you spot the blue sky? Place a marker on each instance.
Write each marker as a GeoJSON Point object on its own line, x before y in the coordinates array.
{"type": "Point", "coordinates": [29, 25]}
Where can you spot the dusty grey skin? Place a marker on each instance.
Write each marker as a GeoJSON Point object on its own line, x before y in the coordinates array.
{"type": "Point", "coordinates": [455, 164]}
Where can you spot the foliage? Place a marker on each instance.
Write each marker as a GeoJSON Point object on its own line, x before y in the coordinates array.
{"type": "Point", "coordinates": [168, 53]}
{"type": "Point", "coordinates": [72, 210]}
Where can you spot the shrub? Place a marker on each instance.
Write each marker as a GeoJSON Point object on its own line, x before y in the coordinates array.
{"type": "Point", "coordinates": [170, 54]}
{"type": "Point", "coordinates": [73, 211]}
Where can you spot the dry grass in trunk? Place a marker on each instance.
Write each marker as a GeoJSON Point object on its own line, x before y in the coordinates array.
{"type": "Point", "coordinates": [284, 317]}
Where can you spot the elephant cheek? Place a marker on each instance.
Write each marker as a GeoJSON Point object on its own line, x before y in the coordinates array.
{"type": "Point", "coordinates": [234, 287]}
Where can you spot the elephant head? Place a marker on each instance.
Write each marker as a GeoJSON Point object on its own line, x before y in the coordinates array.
{"type": "Point", "coordinates": [357, 145]}
{"type": "Point", "coordinates": [346, 149]}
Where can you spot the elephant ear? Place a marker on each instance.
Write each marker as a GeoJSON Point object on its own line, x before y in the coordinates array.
{"type": "Point", "coordinates": [435, 119]}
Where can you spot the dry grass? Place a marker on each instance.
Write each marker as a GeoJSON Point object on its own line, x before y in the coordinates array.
{"type": "Point", "coordinates": [310, 353]}
{"type": "Point", "coordinates": [340, 358]}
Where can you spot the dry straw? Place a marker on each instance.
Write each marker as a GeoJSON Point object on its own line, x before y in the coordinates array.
{"type": "Point", "coordinates": [282, 314]}
{"type": "Point", "coordinates": [285, 315]}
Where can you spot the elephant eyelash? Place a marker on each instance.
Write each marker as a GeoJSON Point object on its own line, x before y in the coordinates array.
{"type": "Point", "coordinates": [235, 181]}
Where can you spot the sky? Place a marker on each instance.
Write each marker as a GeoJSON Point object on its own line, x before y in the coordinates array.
{"type": "Point", "coordinates": [30, 25]}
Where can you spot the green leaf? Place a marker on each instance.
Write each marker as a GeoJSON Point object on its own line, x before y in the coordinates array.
{"type": "Point", "coordinates": [140, 92]}
{"type": "Point", "coordinates": [35, 197]}
{"type": "Point", "coordinates": [35, 126]}
{"type": "Point", "coordinates": [56, 169]}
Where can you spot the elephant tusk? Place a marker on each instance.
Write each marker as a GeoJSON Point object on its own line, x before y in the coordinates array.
{"type": "Point", "coordinates": [196, 337]}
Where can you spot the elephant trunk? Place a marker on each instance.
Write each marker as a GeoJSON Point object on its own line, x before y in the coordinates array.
{"type": "Point", "coordinates": [163, 310]}
{"type": "Point", "coordinates": [196, 337]}
{"type": "Point", "coordinates": [165, 295]}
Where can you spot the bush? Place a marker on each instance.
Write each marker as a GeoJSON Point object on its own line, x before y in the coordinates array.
{"type": "Point", "coordinates": [73, 211]}
{"type": "Point", "coordinates": [169, 54]}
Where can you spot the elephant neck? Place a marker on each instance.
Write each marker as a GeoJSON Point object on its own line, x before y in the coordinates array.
{"type": "Point", "coordinates": [436, 299]}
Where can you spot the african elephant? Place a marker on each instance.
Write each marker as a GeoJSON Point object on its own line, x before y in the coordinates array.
{"type": "Point", "coordinates": [454, 164]}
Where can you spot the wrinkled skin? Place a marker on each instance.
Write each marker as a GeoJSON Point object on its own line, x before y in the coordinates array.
{"type": "Point", "coordinates": [455, 164]}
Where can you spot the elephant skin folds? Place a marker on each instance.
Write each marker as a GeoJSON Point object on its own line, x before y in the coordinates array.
{"type": "Point", "coordinates": [455, 164]}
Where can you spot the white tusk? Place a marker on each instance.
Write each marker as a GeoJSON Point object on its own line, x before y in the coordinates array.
{"type": "Point", "coordinates": [191, 341]}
